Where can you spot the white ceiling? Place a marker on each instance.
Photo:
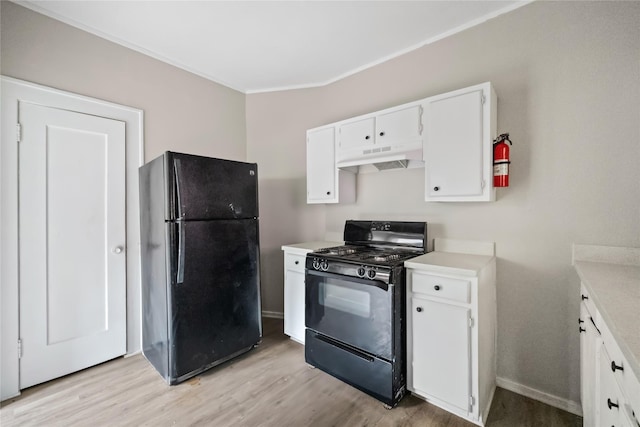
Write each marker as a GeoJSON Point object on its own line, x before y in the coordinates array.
{"type": "Point", "coordinates": [260, 46]}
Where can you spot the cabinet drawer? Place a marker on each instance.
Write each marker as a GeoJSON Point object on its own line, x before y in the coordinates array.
{"type": "Point", "coordinates": [622, 373]}
{"type": "Point", "coordinates": [294, 262]}
{"type": "Point", "coordinates": [441, 287]}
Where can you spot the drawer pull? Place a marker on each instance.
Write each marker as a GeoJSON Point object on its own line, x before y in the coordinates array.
{"type": "Point", "coordinates": [594, 325]}
{"type": "Point", "coordinates": [581, 329]}
{"type": "Point", "coordinates": [436, 287]}
{"type": "Point", "coordinates": [419, 309]}
{"type": "Point", "coordinates": [614, 367]}
{"type": "Point", "coordinates": [584, 297]}
{"type": "Point", "coordinates": [610, 404]}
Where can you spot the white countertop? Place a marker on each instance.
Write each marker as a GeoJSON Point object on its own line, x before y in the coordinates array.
{"type": "Point", "coordinates": [615, 291]}
{"type": "Point", "coordinates": [306, 247]}
{"type": "Point", "coordinates": [450, 263]}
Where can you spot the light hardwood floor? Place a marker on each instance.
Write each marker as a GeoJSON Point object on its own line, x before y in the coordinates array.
{"type": "Point", "coordinates": [269, 386]}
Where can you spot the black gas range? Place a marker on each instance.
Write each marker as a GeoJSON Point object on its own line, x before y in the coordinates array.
{"type": "Point", "coordinates": [355, 306]}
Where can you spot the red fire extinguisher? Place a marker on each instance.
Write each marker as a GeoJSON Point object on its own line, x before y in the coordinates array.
{"type": "Point", "coordinates": [501, 161]}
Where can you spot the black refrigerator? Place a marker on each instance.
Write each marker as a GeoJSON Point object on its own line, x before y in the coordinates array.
{"type": "Point", "coordinates": [200, 262]}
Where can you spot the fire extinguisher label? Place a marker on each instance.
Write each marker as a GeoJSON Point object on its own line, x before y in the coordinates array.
{"type": "Point", "coordinates": [501, 169]}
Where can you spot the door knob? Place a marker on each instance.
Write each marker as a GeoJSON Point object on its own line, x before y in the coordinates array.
{"type": "Point", "coordinates": [118, 250]}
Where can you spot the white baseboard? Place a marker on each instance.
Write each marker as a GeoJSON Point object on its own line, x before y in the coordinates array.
{"type": "Point", "coordinates": [273, 314]}
{"type": "Point", "coordinates": [555, 401]}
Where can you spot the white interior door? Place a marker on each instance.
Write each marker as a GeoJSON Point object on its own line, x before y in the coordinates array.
{"type": "Point", "coordinates": [72, 260]}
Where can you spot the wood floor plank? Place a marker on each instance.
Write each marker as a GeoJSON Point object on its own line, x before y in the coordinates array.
{"type": "Point", "coordinates": [269, 386]}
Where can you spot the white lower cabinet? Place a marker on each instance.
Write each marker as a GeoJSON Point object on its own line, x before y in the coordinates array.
{"type": "Point", "coordinates": [442, 374]}
{"type": "Point", "coordinates": [294, 296]}
{"type": "Point", "coordinates": [451, 332]}
{"type": "Point", "coordinates": [610, 402]}
{"type": "Point", "coordinates": [590, 342]}
{"type": "Point", "coordinates": [610, 391]}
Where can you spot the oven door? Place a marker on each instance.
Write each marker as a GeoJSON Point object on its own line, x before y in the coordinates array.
{"type": "Point", "coordinates": [357, 312]}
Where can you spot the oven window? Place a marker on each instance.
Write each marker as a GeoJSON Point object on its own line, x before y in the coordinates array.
{"type": "Point", "coordinates": [349, 300]}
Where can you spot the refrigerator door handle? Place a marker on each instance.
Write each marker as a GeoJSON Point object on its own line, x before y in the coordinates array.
{"type": "Point", "coordinates": [176, 175]}
{"type": "Point", "coordinates": [181, 250]}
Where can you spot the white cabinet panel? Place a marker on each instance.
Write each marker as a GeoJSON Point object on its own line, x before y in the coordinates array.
{"type": "Point", "coordinates": [589, 343]}
{"type": "Point", "coordinates": [399, 127]}
{"type": "Point", "coordinates": [321, 173]}
{"type": "Point", "coordinates": [442, 351]}
{"type": "Point", "coordinates": [454, 146]}
{"type": "Point", "coordinates": [610, 402]}
{"type": "Point", "coordinates": [460, 127]}
{"type": "Point", "coordinates": [294, 304]}
{"type": "Point", "coordinates": [356, 135]}
{"type": "Point", "coordinates": [325, 183]}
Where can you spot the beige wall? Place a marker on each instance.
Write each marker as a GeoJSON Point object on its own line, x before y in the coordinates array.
{"type": "Point", "coordinates": [567, 75]}
{"type": "Point", "coordinates": [182, 112]}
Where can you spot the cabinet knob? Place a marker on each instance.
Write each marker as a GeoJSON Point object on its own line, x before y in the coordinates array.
{"type": "Point", "coordinates": [436, 287]}
{"type": "Point", "coordinates": [580, 321]}
{"type": "Point", "coordinates": [419, 309]}
{"type": "Point", "coordinates": [436, 188]}
{"type": "Point", "coordinates": [584, 297]}
{"type": "Point", "coordinates": [328, 193]}
{"type": "Point", "coordinates": [615, 367]}
{"type": "Point", "coordinates": [381, 133]}
{"type": "Point", "coordinates": [581, 329]}
{"type": "Point", "coordinates": [297, 262]}
{"type": "Point", "coordinates": [367, 137]}
{"type": "Point", "coordinates": [610, 404]}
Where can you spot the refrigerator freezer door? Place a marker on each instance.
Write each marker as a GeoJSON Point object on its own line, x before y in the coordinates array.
{"type": "Point", "coordinates": [204, 188]}
{"type": "Point", "coordinates": [215, 293]}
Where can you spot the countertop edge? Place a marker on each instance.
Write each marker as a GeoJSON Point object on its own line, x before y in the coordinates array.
{"type": "Point", "coordinates": [306, 247]}
{"type": "Point", "coordinates": [450, 263]}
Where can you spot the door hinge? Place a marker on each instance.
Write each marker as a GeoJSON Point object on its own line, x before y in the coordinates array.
{"type": "Point", "coordinates": [483, 99]}
{"type": "Point", "coordinates": [18, 132]}
{"type": "Point", "coordinates": [471, 322]}
{"type": "Point", "coordinates": [472, 401]}
{"type": "Point", "coordinates": [483, 184]}
{"type": "Point", "coordinates": [19, 348]}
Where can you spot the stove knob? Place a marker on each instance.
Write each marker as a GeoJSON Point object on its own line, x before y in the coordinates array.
{"type": "Point", "coordinates": [316, 263]}
{"type": "Point", "coordinates": [361, 272]}
{"type": "Point", "coordinates": [371, 274]}
{"type": "Point", "coordinates": [324, 265]}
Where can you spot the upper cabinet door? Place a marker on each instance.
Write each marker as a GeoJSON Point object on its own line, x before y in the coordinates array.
{"type": "Point", "coordinates": [321, 166]}
{"type": "Point", "coordinates": [458, 143]}
{"type": "Point", "coordinates": [355, 136]}
{"type": "Point", "coordinates": [399, 127]}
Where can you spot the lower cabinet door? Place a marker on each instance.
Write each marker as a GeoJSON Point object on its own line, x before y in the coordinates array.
{"type": "Point", "coordinates": [589, 341]}
{"type": "Point", "coordinates": [442, 351]}
{"type": "Point", "coordinates": [294, 305]}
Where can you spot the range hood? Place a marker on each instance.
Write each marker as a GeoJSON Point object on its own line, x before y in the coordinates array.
{"type": "Point", "coordinates": [382, 160]}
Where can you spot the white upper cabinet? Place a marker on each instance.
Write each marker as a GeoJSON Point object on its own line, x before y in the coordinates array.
{"type": "Point", "coordinates": [460, 128]}
{"type": "Point", "coordinates": [325, 183]}
{"type": "Point", "coordinates": [392, 132]}
{"type": "Point", "coordinates": [450, 134]}
{"type": "Point", "coordinates": [400, 127]}
{"type": "Point", "coordinates": [355, 136]}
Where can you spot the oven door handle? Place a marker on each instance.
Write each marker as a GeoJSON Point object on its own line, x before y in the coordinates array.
{"type": "Point", "coordinates": [376, 283]}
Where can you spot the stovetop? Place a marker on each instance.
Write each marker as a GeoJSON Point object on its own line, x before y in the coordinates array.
{"type": "Point", "coordinates": [363, 254]}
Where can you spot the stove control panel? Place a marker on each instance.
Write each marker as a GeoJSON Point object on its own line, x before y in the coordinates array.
{"type": "Point", "coordinates": [349, 269]}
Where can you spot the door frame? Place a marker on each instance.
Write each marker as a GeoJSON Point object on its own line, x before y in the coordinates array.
{"type": "Point", "coordinates": [13, 91]}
